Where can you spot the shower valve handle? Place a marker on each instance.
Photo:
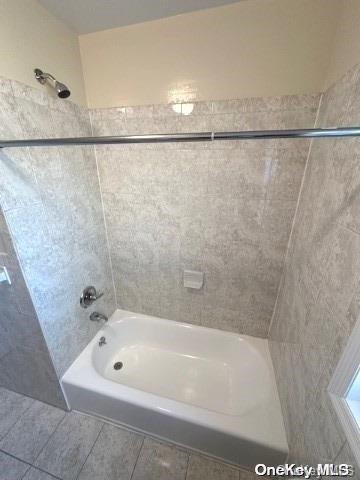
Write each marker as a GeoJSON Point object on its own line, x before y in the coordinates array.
{"type": "Point", "coordinates": [89, 296]}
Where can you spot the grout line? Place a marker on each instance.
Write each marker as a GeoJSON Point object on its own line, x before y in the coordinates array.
{"type": "Point", "coordinates": [137, 458]}
{"type": "Point", "coordinates": [44, 471]}
{"type": "Point", "coordinates": [15, 457]}
{"type": "Point", "coordinates": [29, 464]}
{"type": "Point", "coordinates": [103, 214]}
{"type": "Point", "coordinates": [91, 450]}
{"type": "Point", "coordinates": [289, 243]}
{"type": "Point", "coordinates": [26, 472]}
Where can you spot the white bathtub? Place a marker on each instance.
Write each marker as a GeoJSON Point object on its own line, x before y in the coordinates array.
{"type": "Point", "coordinates": [205, 389]}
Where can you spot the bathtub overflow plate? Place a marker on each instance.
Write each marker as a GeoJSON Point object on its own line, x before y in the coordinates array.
{"type": "Point", "coordinates": [118, 365]}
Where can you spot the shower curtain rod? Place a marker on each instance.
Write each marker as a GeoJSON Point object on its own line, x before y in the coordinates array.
{"type": "Point", "coordinates": [187, 137]}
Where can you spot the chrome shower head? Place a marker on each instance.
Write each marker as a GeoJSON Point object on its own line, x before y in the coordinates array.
{"type": "Point", "coordinates": [61, 89]}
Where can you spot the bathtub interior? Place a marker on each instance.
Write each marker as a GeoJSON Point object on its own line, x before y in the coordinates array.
{"type": "Point", "coordinates": [218, 371]}
{"type": "Point", "coordinates": [209, 390]}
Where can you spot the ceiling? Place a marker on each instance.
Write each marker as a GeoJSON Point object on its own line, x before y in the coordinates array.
{"type": "Point", "coordinates": [85, 16]}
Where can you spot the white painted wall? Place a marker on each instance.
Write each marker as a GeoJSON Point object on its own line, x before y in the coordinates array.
{"type": "Point", "coordinates": [31, 37]}
{"type": "Point", "coordinates": [346, 47]}
{"type": "Point", "coordinates": [251, 48]}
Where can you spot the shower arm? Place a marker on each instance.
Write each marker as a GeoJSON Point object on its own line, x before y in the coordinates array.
{"type": "Point", "coordinates": [42, 76]}
{"type": "Point", "coordinates": [187, 137]}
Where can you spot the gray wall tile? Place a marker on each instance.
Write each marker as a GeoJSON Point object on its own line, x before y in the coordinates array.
{"type": "Point", "coordinates": [52, 203]}
{"type": "Point", "coordinates": [25, 363]}
{"type": "Point", "coordinates": [224, 209]}
{"type": "Point", "coordinates": [319, 297]}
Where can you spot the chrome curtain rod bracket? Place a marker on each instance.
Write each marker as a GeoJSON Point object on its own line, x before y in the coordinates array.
{"type": "Point", "coordinates": [186, 137]}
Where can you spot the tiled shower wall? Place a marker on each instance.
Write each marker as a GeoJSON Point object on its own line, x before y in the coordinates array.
{"type": "Point", "coordinates": [319, 300]}
{"type": "Point", "coordinates": [51, 201]}
{"type": "Point", "coordinates": [224, 208]}
{"type": "Point", "coordinates": [25, 363]}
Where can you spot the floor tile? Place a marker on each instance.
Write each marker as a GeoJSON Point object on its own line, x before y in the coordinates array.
{"type": "Point", "coordinates": [160, 462]}
{"type": "Point", "coordinates": [11, 469]}
{"type": "Point", "coordinates": [28, 436]}
{"type": "Point", "coordinates": [201, 468]}
{"type": "Point", "coordinates": [12, 406]}
{"type": "Point", "coordinates": [35, 474]}
{"type": "Point", "coordinates": [80, 447]}
{"type": "Point", "coordinates": [68, 448]}
{"type": "Point", "coordinates": [113, 456]}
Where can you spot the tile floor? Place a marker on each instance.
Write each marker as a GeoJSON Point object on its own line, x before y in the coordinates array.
{"type": "Point", "coordinates": [41, 442]}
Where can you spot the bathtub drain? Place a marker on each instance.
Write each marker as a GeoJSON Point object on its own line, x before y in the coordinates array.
{"type": "Point", "coordinates": [118, 365]}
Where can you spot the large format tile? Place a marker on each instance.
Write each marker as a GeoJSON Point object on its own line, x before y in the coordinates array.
{"type": "Point", "coordinates": [201, 468]}
{"type": "Point", "coordinates": [10, 468]}
{"type": "Point", "coordinates": [113, 456]}
{"type": "Point", "coordinates": [22, 341]}
{"type": "Point", "coordinates": [29, 435]}
{"type": "Point", "coordinates": [51, 187]}
{"type": "Point", "coordinates": [109, 452]}
{"type": "Point", "coordinates": [12, 406]}
{"type": "Point", "coordinates": [158, 461]}
{"type": "Point", "coordinates": [67, 450]}
{"type": "Point", "coordinates": [175, 207]}
{"type": "Point", "coordinates": [318, 302]}
{"type": "Point", "coordinates": [169, 188]}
